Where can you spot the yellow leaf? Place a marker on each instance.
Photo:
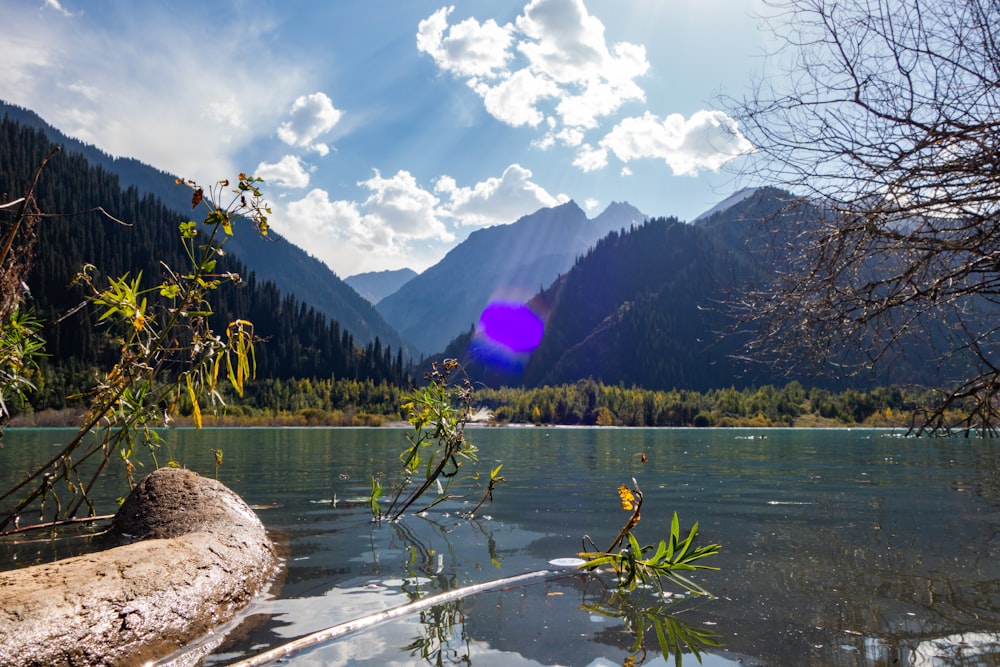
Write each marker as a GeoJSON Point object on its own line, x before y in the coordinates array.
{"type": "Point", "coordinates": [195, 408]}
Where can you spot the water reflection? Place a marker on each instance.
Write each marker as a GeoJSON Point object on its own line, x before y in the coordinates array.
{"type": "Point", "coordinates": [840, 548]}
{"type": "Point", "coordinates": [442, 625]}
{"type": "Point", "coordinates": [568, 617]}
{"type": "Point", "coordinates": [653, 619]}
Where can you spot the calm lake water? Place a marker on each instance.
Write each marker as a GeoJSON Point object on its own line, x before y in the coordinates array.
{"type": "Point", "coordinates": [839, 547]}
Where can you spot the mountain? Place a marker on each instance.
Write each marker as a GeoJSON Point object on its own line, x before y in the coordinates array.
{"type": "Point", "coordinates": [376, 285]}
{"type": "Point", "coordinates": [505, 262]}
{"type": "Point", "coordinates": [727, 203]}
{"type": "Point", "coordinates": [272, 259]}
{"type": "Point", "coordinates": [648, 307]}
{"type": "Point", "coordinates": [299, 342]}
{"type": "Point", "coordinates": [641, 308]}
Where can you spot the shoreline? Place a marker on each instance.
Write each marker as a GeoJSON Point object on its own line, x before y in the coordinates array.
{"type": "Point", "coordinates": [71, 418]}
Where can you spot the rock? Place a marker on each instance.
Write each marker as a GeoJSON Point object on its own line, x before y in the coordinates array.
{"type": "Point", "coordinates": [186, 554]}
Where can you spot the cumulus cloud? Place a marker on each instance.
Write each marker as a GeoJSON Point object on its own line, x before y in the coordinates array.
{"type": "Point", "coordinates": [468, 48]}
{"type": "Point", "coordinates": [400, 205]}
{"type": "Point", "coordinates": [706, 140]}
{"type": "Point", "coordinates": [400, 220]}
{"type": "Point", "coordinates": [395, 217]}
{"type": "Point", "coordinates": [553, 61]}
{"type": "Point", "coordinates": [589, 158]}
{"type": "Point", "coordinates": [288, 172]}
{"type": "Point", "coordinates": [554, 69]}
{"type": "Point", "coordinates": [514, 100]}
{"type": "Point", "coordinates": [312, 116]}
{"type": "Point", "coordinates": [495, 200]}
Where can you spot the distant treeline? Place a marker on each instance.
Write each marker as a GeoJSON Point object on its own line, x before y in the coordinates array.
{"type": "Point", "coordinates": [588, 402]}
{"type": "Point", "coordinates": [349, 402]}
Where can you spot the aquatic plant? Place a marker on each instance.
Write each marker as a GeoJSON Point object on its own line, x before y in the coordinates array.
{"type": "Point", "coordinates": [640, 569]}
{"type": "Point", "coordinates": [437, 447]}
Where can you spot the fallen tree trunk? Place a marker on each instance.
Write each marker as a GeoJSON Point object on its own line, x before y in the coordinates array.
{"type": "Point", "coordinates": [185, 555]}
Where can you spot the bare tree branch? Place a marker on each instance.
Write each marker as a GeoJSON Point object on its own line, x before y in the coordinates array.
{"type": "Point", "coordinates": [885, 121]}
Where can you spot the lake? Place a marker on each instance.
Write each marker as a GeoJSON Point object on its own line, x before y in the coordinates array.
{"type": "Point", "coordinates": [839, 547]}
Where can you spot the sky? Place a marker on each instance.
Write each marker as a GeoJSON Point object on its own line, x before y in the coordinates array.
{"type": "Point", "coordinates": [389, 130]}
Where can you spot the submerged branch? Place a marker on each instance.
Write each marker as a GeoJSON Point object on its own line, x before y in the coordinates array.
{"type": "Point", "coordinates": [367, 622]}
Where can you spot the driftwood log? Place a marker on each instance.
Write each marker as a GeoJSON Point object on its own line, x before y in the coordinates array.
{"type": "Point", "coordinates": [185, 554]}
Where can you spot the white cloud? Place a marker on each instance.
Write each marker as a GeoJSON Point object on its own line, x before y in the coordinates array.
{"type": "Point", "coordinates": [514, 100]}
{"type": "Point", "coordinates": [312, 116]}
{"type": "Point", "coordinates": [562, 39]}
{"type": "Point", "coordinates": [555, 69]}
{"type": "Point", "coordinates": [496, 200]}
{"type": "Point", "coordinates": [565, 67]}
{"type": "Point", "coordinates": [400, 205]}
{"type": "Point", "coordinates": [706, 140]}
{"type": "Point", "coordinates": [399, 222]}
{"type": "Point", "coordinates": [468, 48]}
{"type": "Point", "coordinates": [589, 158]}
{"type": "Point", "coordinates": [225, 112]}
{"type": "Point", "coordinates": [287, 172]}
{"type": "Point", "coordinates": [89, 93]}
{"type": "Point", "coordinates": [396, 217]}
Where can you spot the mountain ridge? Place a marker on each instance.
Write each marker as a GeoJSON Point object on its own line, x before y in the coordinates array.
{"type": "Point", "coordinates": [511, 262]}
{"type": "Point", "coordinates": [376, 285]}
{"type": "Point", "coordinates": [272, 259]}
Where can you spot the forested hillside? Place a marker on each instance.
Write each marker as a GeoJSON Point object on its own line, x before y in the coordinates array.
{"type": "Point", "coordinates": [641, 308]}
{"type": "Point", "coordinates": [652, 306]}
{"type": "Point", "coordinates": [300, 342]}
{"type": "Point", "coordinates": [273, 259]}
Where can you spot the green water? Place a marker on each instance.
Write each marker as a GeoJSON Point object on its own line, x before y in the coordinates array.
{"type": "Point", "coordinates": [839, 547]}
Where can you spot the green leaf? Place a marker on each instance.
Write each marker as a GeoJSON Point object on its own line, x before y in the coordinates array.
{"type": "Point", "coordinates": [661, 551]}
{"type": "Point", "coordinates": [188, 229]}
{"type": "Point", "coordinates": [674, 533]}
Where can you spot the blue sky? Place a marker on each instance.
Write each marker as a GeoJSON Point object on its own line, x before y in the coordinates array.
{"type": "Point", "coordinates": [388, 130]}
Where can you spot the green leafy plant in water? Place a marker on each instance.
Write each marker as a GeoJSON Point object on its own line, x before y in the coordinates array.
{"type": "Point", "coordinates": [645, 568]}
{"type": "Point", "coordinates": [437, 447]}
{"type": "Point", "coordinates": [377, 491]}
{"type": "Point", "coordinates": [492, 482]}
{"type": "Point", "coordinates": [637, 565]}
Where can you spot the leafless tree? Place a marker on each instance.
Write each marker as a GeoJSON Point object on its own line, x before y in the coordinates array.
{"type": "Point", "coordinates": [885, 116]}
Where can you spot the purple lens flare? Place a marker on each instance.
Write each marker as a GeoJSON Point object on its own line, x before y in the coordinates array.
{"type": "Point", "coordinates": [511, 325]}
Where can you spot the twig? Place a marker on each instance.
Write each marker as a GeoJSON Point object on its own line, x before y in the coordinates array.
{"type": "Point", "coordinates": [56, 524]}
